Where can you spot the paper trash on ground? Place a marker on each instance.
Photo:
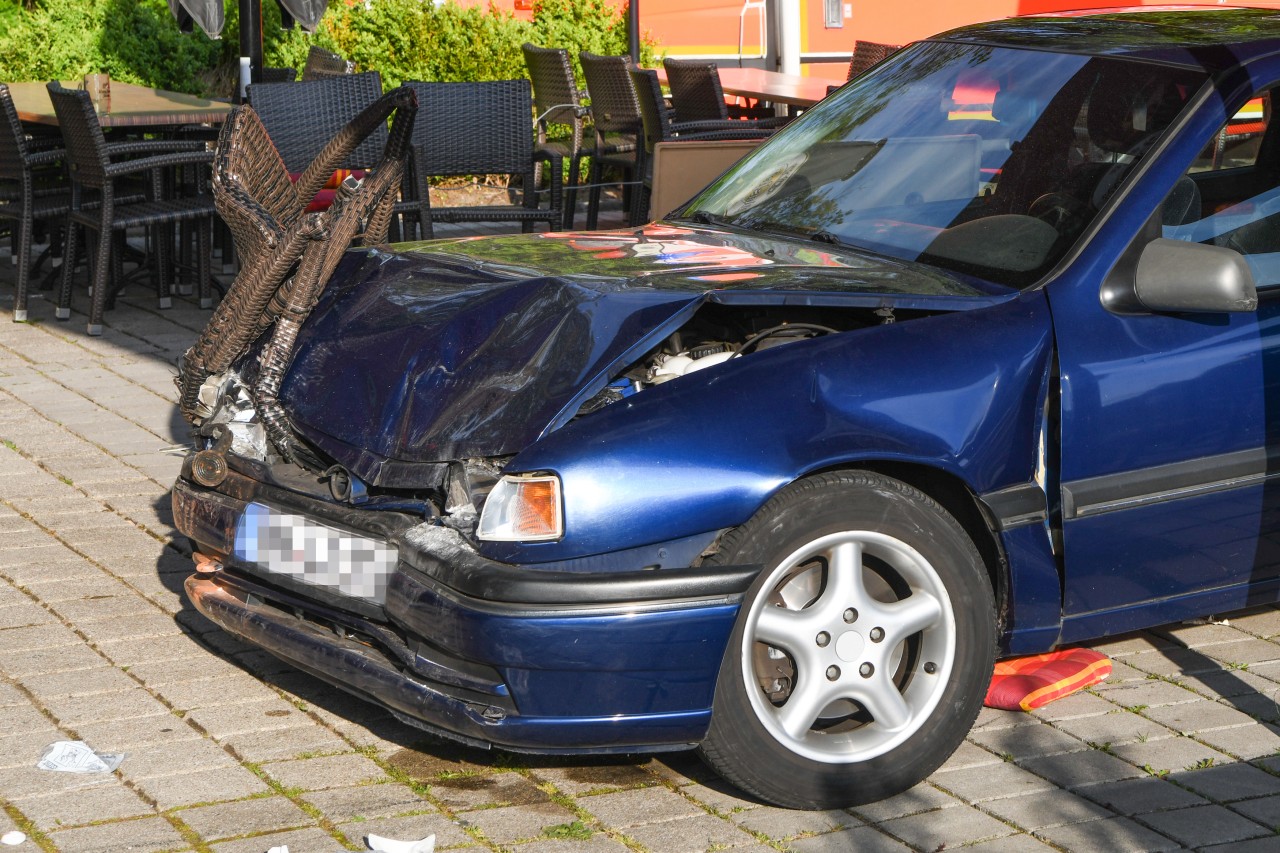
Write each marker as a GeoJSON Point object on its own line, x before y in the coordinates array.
{"type": "Point", "coordinates": [74, 756]}
{"type": "Point", "coordinates": [13, 838]}
{"type": "Point", "coordinates": [390, 845]}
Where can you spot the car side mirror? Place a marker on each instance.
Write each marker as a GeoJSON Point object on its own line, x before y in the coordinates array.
{"type": "Point", "coordinates": [1174, 275]}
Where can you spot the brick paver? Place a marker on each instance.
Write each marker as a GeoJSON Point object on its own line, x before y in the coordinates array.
{"type": "Point", "coordinates": [231, 751]}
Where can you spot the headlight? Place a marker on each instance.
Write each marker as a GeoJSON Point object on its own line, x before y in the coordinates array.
{"type": "Point", "coordinates": [522, 509]}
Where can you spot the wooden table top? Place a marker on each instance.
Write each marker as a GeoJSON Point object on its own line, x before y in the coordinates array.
{"type": "Point", "coordinates": [130, 106]}
{"type": "Point", "coordinates": [772, 86]}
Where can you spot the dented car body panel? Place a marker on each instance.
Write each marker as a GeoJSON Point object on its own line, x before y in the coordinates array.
{"type": "Point", "coordinates": [652, 389]}
{"type": "Point", "coordinates": [453, 350]}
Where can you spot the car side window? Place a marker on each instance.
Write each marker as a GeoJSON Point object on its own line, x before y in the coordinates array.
{"type": "Point", "coordinates": [1231, 194]}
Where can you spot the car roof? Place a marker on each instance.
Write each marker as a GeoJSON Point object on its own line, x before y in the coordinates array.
{"type": "Point", "coordinates": [1214, 38]}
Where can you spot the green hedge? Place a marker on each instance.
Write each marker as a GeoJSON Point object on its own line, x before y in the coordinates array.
{"type": "Point", "coordinates": [137, 41]}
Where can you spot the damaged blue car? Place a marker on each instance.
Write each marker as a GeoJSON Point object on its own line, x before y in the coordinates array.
{"type": "Point", "coordinates": [977, 357]}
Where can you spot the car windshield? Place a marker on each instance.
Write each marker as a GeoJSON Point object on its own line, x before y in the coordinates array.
{"type": "Point", "coordinates": [982, 160]}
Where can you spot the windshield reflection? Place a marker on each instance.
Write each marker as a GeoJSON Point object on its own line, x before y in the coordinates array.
{"type": "Point", "coordinates": [982, 160]}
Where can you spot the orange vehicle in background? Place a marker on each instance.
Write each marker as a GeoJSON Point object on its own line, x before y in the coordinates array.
{"type": "Point", "coordinates": [745, 31]}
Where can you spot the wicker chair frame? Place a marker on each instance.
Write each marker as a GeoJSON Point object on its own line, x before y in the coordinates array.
{"type": "Point", "coordinates": [31, 190]}
{"type": "Point", "coordinates": [498, 119]}
{"type": "Point", "coordinates": [558, 100]}
{"type": "Point", "coordinates": [288, 255]}
{"type": "Point", "coordinates": [615, 117]}
{"type": "Point", "coordinates": [867, 54]}
{"type": "Point", "coordinates": [95, 205]}
{"type": "Point", "coordinates": [323, 63]}
{"type": "Point", "coordinates": [697, 95]}
{"type": "Point", "coordinates": [279, 75]}
{"type": "Point", "coordinates": [301, 117]}
{"type": "Point", "coordinates": [660, 126]}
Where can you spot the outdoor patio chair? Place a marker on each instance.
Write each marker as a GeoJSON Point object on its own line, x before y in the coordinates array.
{"type": "Point", "coordinates": [279, 75]}
{"type": "Point", "coordinates": [615, 117]}
{"type": "Point", "coordinates": [660, 125]}
{"type": "Point", "coordinates": [32, 190]}
{"type": "Point", "coordinates": [323, 63]}
{"type": "Point", "coordinates": [865, 55]}
{"type": "Point", "coordinates": [302, 117]}
{"type": "Point", "coordinates": [558, 100]}
{"type": "Point", "coordinates": [95, 167]}
{"type": "Point", "coordinates": [696, 95]}
{"type": "Point", "coordinates": [287, 254]}
{"type": "Point", "coordinates": [483, 128]}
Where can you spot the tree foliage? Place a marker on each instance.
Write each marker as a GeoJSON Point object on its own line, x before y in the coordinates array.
{"type": "Point", "coordinates": [137, 41]}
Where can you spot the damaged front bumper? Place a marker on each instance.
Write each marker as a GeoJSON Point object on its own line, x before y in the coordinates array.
{"type": "Point", "coordinates": [487, 653]}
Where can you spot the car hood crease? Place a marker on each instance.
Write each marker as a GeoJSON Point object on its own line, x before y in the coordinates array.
{"type": "Point", "coordinates": [454, 349]}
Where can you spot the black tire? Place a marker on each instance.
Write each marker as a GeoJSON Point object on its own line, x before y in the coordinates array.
{"type": "Point", "coordinates": [916, 623]}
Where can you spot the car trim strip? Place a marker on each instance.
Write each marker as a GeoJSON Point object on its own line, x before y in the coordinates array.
{"type": "Point", "coordinates": [1017, 506]}
{"type": "Point", "coordinates": [1158, 484]}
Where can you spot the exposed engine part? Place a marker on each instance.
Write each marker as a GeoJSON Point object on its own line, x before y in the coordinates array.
{"type": "Point", "coordinates": [227, 408]}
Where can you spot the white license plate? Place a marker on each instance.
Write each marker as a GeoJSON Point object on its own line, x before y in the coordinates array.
{"type": "Point", "coordinates": [314, 553]}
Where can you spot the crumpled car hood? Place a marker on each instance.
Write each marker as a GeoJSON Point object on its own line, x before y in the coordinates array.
{"type": "Point", "coordinates": [446, 350]}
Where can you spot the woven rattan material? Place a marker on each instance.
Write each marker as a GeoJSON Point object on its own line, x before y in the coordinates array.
{"type": "Point", "coordinates": [557, 99]}
{"type": "Point", "coordinates": [31, 190]}
{"type": "Point", "coordinates": [288, 255]}
{"type": "Point", "coordinates": [302, 117]}
{"type": "Point", "coordinates": [615, 115]}
{"type": "Point", "coordinates": [867, 54]}
{"type": "Point", "coordinates": [498, 119]}
{"type": "Point", "coordinates": [323, 63]}
{"type": "Point", "coordinates": [660, 126]}
{"type": "Point", "coordinates": [696, 95]}
{"type": "Point", "coordinates": [95, 166]}
{"type": "Point", "coordinates": [279, 75]}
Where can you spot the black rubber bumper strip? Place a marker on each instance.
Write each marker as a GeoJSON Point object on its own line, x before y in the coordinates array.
{"type": "Point", "coordinates": [470, 574]}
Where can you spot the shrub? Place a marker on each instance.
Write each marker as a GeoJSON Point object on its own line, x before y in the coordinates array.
{"type": "Point", "coordinates": [137, 41]}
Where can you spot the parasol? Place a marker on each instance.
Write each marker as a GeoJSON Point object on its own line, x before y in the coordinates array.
{"type": "Point", "coordinates": [210, 17]}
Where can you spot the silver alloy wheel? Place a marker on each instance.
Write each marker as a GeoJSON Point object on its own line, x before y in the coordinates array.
{"type": "Point", "coordinates": [850, 649]}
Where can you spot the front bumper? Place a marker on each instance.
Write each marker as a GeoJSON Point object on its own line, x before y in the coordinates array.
{"type": "Point", "coordinates": [487, 653]}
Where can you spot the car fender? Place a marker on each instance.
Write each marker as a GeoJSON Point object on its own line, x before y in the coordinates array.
{"type": "Point", "coordinates": [962, 392]}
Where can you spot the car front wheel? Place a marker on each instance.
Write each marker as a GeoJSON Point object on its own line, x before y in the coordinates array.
{"type": "Point", "coordinates": [862, 652]}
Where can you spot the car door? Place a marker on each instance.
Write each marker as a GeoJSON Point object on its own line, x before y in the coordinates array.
{"type": "Point", "coordinates": [1169, 421]}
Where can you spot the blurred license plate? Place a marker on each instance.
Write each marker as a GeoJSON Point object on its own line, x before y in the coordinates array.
{"type": "Point", "coordinates": [314, 553]}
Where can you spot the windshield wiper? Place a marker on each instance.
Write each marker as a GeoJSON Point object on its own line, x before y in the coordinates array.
{"type": "Point", "coordinates": [703, 218]}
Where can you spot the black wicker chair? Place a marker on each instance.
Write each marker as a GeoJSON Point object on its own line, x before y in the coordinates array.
{"type": "Point", "coordinates": [558, 101]}
{"type": "Point", "coordinates": [301, 117]}
{"type": "Point", "coordinates": [696, 95]}
{"type": "Point", "coordinates": [323, 63]}
{"type": "Point", "coordinates": [660, 126]}
{"type": "Point", "coordinates": [278, 75]}
{"type": "Point", "coordinates": [615, 116]}
{"type": "Point", "coordinates": [94, 167]}
{"type": "Point", "coordinates": [31, 190]}
{"type": "Point", "coordinates": [483, 128]}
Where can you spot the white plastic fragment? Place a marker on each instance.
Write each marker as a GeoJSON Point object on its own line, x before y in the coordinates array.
{"type": "Point", "coordinates": [282, 848]}
{"type": "Point", "coordinates": [13, 838]}
{"type": "Point", "coordinates": [390, 845]}
{"type": "Point", "coordinates": [75, 756]}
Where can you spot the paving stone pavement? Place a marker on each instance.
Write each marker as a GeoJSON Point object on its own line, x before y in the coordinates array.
{"type": "Point", "coordinates": [229, 750]}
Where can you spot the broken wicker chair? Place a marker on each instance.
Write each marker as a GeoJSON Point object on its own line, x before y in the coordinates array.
{"type": "Point", "coordinates": [287, 255]}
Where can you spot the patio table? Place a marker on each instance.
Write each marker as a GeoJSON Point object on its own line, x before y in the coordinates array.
{"type": "Point", "coordinates": [771, 86]}
{"type": "Point", "coordinates": [132, 107]}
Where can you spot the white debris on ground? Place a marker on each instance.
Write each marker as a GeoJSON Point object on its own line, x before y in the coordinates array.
{"type": "Point", "coordinates": [75, 756]}
{"type": "Point", "coordinates": [378, 844]}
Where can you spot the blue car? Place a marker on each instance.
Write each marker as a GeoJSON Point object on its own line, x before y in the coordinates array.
{"type": "Point", "coordinates": [976, 358]}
